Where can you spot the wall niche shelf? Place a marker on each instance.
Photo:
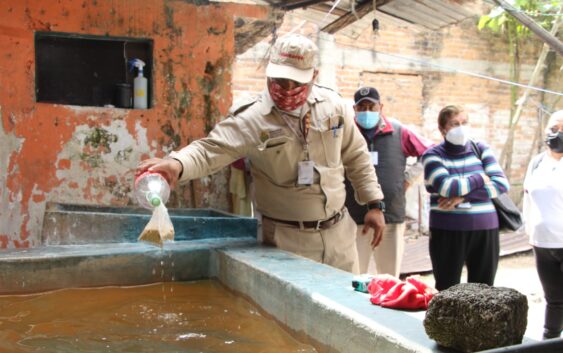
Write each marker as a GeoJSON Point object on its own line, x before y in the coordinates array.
{"type": "Point", "coordinates": [88, 70]}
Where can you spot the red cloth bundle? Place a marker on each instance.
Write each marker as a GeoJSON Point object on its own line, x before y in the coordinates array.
{"type": "Point", "coordinates": [390, 292]}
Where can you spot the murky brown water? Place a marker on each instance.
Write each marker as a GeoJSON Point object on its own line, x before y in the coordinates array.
{"type": "Point", "coordinates": [166, 317]}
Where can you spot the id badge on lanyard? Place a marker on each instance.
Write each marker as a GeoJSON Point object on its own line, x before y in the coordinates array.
{"type": "Point", "coordinates": [305, 172]}
{"type": "Point", "coordinates": [374, 157]}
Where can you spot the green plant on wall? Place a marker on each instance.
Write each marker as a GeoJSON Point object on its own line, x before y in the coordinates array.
{"type": "Point", "coordinates": [545, 13]}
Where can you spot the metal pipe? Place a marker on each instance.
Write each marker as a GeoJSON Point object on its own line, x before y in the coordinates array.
{"type": "Point", "coordinates": [525, 20]}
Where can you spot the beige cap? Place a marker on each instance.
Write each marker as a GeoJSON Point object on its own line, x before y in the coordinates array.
{"type": "Point", "coordinates": [293, 57]}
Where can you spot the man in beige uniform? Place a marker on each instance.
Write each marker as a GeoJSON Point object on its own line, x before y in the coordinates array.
{"type": "Point", "coordinates": [299, 139]}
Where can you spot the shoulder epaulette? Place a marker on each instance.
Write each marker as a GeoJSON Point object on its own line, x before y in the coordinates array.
{"type": "Point", "coordinates": [328, 89]}
{"type": "Point", "coordinates": [242, 104]}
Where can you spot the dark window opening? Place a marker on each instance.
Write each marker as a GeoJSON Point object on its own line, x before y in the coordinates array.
{"type": "Point", "coordinates": [89, 70]}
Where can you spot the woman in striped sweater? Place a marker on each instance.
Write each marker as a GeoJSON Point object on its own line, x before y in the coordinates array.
{"type": "Point", "coordinates": [463, 221]}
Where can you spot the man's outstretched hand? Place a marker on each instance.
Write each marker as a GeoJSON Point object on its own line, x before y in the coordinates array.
{"type": "Point", "coordinates": [169, 167]}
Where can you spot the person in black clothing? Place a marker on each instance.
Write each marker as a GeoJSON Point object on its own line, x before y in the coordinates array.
{"type": "Point", "coordinates": [389, 143]}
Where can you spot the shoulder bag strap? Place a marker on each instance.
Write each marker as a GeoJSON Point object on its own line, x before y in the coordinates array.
{"type": "Point", "coordinates": [475, 148]}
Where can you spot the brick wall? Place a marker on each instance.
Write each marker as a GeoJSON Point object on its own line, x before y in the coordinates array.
{"type": "Point", "coordinates": [401, 92]}
{"type": "Point", "coordinates": [414, 91]}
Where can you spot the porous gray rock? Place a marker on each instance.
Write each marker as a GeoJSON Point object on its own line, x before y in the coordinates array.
{"type": "Point", "coordinates": [472, 317]}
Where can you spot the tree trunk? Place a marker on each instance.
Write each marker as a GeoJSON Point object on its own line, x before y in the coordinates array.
{"type": "Point", "coordinates": [506, 155]}
{"type": "Point", "coordinates": [514, 75]}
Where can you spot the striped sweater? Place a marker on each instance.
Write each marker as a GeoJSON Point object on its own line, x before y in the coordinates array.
{"type": "Point", "coordinates": [450, 171]}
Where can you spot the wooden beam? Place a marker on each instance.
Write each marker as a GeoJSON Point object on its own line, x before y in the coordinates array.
{"type": "Point", "coordinates": [249, 31]}
{"type": "Point", "coordinates": [296, 4]}
{"type": "Point", "coordinates": [349, 18]}
{"type": "Point", "coordinates": [326, 8]}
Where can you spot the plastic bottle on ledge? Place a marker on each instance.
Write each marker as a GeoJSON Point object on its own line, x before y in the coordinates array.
{"type": "Point", "coordinates": [140, 85]}
{"type": "Point", "coordinates": [151, 190]}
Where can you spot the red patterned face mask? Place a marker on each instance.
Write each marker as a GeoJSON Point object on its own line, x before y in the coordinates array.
{"type": "Point", "coordinates": [288, 100]}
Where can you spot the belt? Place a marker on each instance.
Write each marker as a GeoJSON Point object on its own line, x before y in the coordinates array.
{"type": "Point", "coordinates": [324, 224]}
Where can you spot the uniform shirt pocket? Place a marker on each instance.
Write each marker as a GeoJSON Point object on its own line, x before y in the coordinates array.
{"type": "Point", "coordinates": [276, 157]}
{"type": "Point", "coordinates": [273, 142]}
{"type": "Point", "coordinates": [332, 140]}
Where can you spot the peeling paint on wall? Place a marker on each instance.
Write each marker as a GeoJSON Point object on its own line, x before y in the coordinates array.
{"type": "Point", "coordinates": [11, 216]}
{"type": "Point", "coordinates": [70, 154]}
{"type": "Point", "coordinates": [107, 181]}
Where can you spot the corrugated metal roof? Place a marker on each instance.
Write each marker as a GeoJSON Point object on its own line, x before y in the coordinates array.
{"type": "Point", "coordinates": [431, 14]}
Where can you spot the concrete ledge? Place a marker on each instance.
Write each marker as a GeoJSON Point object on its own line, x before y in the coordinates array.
{"type": "Point", "coordinates": [319, 301]}
{"type": "Point", "coordinates": [66, 266]}
{"type": "Point", "coordinates": [66, 224]}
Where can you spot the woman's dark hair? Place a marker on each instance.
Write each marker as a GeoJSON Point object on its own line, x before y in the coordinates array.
{"type": "Point", "coordinates": [447, 113]}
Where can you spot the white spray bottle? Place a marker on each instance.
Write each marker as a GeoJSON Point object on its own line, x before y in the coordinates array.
{"type": "Point", "coordinates": [139, 85]}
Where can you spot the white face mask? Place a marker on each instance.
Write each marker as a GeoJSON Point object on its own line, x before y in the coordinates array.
{"type": "Point", "coordinates": [458, 135]}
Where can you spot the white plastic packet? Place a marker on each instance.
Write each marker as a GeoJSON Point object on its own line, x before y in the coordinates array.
{"type": "Point", "coordinates": [160, 228]}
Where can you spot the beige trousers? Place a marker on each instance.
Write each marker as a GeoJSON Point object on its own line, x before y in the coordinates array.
{"type": "Point", "coordinates": [335, 246]}
{"type": "Point", "coordinates": [388, 255]}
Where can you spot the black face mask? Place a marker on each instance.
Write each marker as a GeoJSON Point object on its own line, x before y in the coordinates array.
{"type": "Point", "coordinates": [555, 142]}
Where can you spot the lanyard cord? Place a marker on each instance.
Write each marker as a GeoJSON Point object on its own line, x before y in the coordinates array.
{"type": "Point", "coordinates": [305, 126]}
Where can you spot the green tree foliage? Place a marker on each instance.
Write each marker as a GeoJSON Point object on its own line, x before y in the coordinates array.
{"type": "Point", "coordinates": [499, 21]}
{"type": "Point", "coordinates": [545, 13]}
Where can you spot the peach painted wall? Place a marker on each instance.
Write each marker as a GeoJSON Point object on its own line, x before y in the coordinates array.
{"type": "Point", "coordinates": [86, 155]}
